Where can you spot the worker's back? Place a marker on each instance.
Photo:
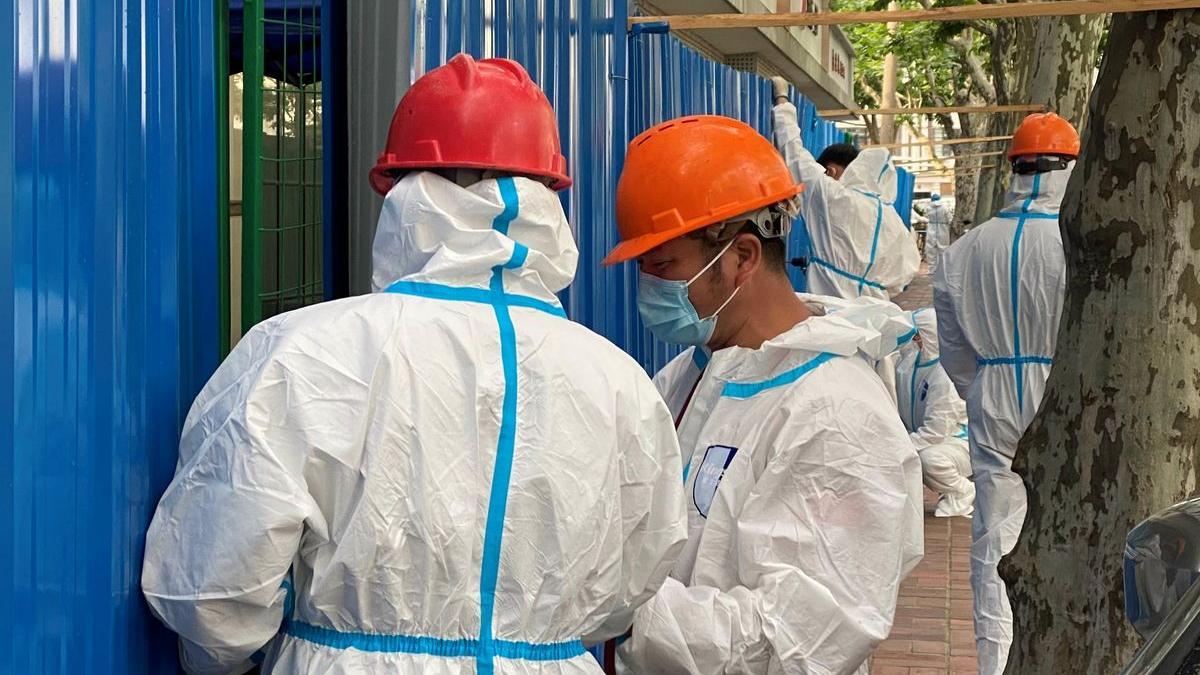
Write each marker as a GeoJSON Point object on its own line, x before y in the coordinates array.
{"type": "Point", "coordinates": [452, 475]}
{"type": "Point", "coordinates": [1001, 285]}
{"type": "Point", "coordinates": [859, 245]}
{"type": "Point", "coordinates": [938, 231]}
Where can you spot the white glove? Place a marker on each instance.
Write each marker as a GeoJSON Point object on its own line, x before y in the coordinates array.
{"type": "Point", "coordinates": [780, 88]}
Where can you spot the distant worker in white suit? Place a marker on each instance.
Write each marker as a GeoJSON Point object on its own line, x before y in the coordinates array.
{"type": "Point", "coordinates": [859, 244]}
{"type": "Point", "coordinates": [936, 418]}
{"type": "Point", "coordinates": [937, 231]}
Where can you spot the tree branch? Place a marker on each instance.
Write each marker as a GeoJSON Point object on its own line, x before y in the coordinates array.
{"type": "Point", "coordinates": [983, 27]}
{"type": "Point", "coordinates": [868, 90]}
{"type": "Point", "coordinates": [980, 79]}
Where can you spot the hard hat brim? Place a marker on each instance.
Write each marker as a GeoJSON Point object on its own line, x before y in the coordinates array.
{"type": "Point", "coordinates": [632, 248]}
{"type": "Point", "coordinates": [381, 174]}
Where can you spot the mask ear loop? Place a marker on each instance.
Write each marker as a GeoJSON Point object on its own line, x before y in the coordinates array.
{"type": "Point", "coordinates": [710, 264]}
{"type": "Point", "coordinates": [727, 301]}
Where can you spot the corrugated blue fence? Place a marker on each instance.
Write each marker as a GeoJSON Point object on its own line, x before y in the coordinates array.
{"type": "Point", "coordinates": [606, 86]}
{"type": "Point", "coordinates": [108, 268]}
{"type": "Point", "coordinates": [905, 184]}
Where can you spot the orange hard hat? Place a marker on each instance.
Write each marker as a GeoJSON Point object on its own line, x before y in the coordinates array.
{"type": "Point", "coordinates": [692, 172]}
{"type": "Point", "coordinates": [1044, 134]}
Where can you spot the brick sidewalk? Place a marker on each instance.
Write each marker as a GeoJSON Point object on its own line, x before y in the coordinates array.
{"type": "Point", "coordinates": [919, 293]}
{"type": "Point", "coordinates": [932, 633]}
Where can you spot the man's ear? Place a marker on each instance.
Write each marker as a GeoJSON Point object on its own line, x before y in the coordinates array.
{"type": "Point", "coordinates": [748, 252]}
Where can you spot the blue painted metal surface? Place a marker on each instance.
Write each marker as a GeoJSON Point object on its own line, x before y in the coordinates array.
{"type": "Point", "coordinates": [108, 212]}
{"type": "Point", "coordinates": [606, 86]}
{"type": "Point", "coordinates": [905, 184]}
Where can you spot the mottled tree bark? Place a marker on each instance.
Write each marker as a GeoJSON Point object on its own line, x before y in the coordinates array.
{"type": "Point", "coordinates": [966, 191]}
{"type": "Point", "coordinates": [966, 186]}
{"type": "Point", "coordinates": [1007, 63]}
{"type": "Point", "coordinates": [1049, 61]}
{"type": "Point", "coordinates": [1118, 433]}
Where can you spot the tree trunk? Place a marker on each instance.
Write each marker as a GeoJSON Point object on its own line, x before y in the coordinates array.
{"type": "Point", "coordinates": [1006, 61]}
{"type": "Point", "coordinates": [966, 184]}
{"type": "Point", "coordinates": [966, 190]}
{"type": "Point", "coordinates": [1118, 434]}
{"type": "Point", "coordinates": [887, 125]}
{"type": "Point", "coordinates": [1049, 61]}
{"type": "Point", "coordinates": [986, 203]}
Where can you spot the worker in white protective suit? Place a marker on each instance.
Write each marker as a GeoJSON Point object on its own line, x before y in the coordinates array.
{"type": "Point", "coordinates": [803, 491]}
{"type": "Point", "coordinates": [858, 243]}
{"type": "Point", "coordinates": [999, 294]}
{"type": "Point", "coordinates": [936, 419]}
{"type": "Point", "coordinates": [937, 231]}
{"type": "Point", "coordinates": [426, 479]}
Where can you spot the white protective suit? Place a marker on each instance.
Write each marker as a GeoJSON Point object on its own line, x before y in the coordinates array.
{"type": "Point", "coordinates": [937, 233]}
{"type": "Point", "coordinates": [999, 295]}
{"type": "Point", "coordinates": [445, 483]}
{"type": "Point", "coordinates": [936, 419]}
{"type": "Point", "coordinates": [803, 504]}
{"type": "Point", "coordinates": [859, 244]}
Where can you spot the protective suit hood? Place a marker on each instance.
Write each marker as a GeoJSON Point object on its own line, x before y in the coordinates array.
{"type": "Point", "coordinates": [1037, 192]}
{"type": "Point", "coordinates": [925, 321]}
{"type": "Point", "coordinates": [431, 229]}
{"type": "Point", "coordinates": [872, 172]}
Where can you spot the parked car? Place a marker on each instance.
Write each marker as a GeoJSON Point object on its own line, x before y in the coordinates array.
{"type": "Point", "coordinates": [1162, 596]}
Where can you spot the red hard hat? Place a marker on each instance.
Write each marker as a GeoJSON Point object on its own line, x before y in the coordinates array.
{"type": "Point", "coordinates": [477, 115]}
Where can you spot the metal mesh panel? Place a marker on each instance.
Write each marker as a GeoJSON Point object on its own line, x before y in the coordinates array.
{"type": "Point", "coordinates": [284, 235]}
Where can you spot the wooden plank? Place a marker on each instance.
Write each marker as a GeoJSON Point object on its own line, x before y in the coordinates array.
{"type": "Point", "coordinates": [956, 141]}
{"type": "Point", "coordinates": [936, 109]}
{"type": "Point", "coordinates": [932, 160]}
{"type": "Point", "coordinates": [951, 168]}
{"type": "Point", "coordinates": [950, 172]}
{"type": "Point", "coordinates": [962, 13]}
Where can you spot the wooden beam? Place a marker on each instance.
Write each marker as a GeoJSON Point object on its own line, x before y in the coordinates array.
{"type": "Point", "coordinates": [950, 172]}
{"type": "Point", "coordinates": [956, 141]}
{"type": "Point", "coordinates": [962, 13]}
{"type": "Point", "coordinates": [937, 109]}
{"type": "Point", "coordinates": [931, 160]}
{"type": "Point", "coordinates": [952, 168]}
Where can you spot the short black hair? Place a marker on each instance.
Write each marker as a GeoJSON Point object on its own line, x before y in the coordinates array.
{"type": "Point", "coordinates": [774, 248]}
{"type": "Point", "coordinates": [840, 154]}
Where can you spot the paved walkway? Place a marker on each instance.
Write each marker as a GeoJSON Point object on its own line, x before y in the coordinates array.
{"type": "Point", "coordinates": [919, 293]}
{"type": "Point", "coordinates": [932, 634]}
